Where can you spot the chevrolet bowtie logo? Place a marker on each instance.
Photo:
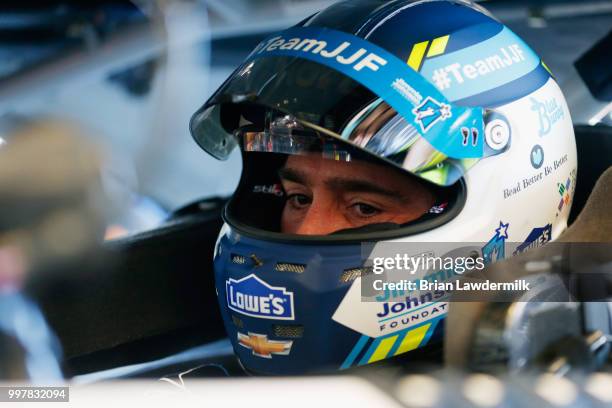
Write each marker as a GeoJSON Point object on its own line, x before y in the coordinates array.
{"type": "Point", "coordinates": [262, 347]}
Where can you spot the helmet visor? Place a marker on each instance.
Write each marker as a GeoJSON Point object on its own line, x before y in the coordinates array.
{"type": "Point", "coordinates": [334, 103]}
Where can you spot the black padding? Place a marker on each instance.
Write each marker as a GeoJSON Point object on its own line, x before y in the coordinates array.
{"type": "Point", "coordinates": [594, 145]}
{"type": "Point", "coordinates": [594, 223]}
{"type": "Point", "coordinates": [254, 203]}
{"type": "Point", "coordinates": [381, 226]}
{"type": "Point", "coordinates": [594, 68]}
{"type": "Point", "coordinates": [151, 295]}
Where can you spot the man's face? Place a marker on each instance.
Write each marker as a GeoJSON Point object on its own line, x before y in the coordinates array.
{"type": "Point", "coordinates": [324, 196]}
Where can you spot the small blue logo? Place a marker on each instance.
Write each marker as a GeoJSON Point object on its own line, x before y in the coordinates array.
{"type": "Point", "coordinates": [536, 238]}
{"type": "Point", "coordinates": [549, 112]}
{"type": "Point", "coordinates": [252, 296]}
{"type": "Point", "coordinates": [429, 112]}
{"type": "Point", "coordinates": [537, 156]}
{"type": "Point", "coordinates": [495, 249]}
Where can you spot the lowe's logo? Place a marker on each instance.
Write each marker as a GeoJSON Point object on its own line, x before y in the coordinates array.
{"type": "Point", "coordinates": [536, 238]}
{"type": "Point", "coordinates": [252, 296]}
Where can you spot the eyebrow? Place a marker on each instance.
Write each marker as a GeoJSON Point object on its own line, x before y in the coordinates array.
{"type": "Point", "coordinates": [342, 184]}
{"type": "Point", "coordinates": [292, 175]}
{"type": "Point", "coordinates": [361, 186]}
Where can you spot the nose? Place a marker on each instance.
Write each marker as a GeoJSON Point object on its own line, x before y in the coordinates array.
{"type": "Point", "coordinates": [322, 218]}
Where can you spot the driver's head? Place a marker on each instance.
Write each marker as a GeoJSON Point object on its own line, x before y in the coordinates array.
{"type": "Point", "coordinates": [324, 196]}
{"type": "Point", "coordinates": [377, 160]}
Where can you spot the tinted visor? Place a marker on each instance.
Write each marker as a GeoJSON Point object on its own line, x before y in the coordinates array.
{"type": "Point", "coordinates": [326, 101]}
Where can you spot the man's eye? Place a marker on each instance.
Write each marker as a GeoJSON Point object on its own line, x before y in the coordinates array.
{"type": "Point", "coordinates": [299, 200]}
{"type": "Point", "coordinates": [365, 210]}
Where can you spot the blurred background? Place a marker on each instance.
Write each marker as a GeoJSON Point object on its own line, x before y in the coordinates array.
{"type": "Point", "coordinates": [95, 101]}
{"type": "Point", "coordinates": [130, 74]}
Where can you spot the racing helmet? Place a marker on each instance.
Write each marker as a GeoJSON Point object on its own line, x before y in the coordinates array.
{"type": "Point", "coordinates": [441, 91]}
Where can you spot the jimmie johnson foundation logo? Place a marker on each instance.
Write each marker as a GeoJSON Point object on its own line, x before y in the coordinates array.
{"type": "Point", "coordinates": [429, 112]}
{"type": "Point", "coordinates": [252, 296]}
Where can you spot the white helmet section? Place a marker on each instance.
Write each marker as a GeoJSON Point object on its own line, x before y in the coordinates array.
{"type": "Point", "coordinates": [528, 186]}
{"type": "Point", "coordinates": [522, 196]}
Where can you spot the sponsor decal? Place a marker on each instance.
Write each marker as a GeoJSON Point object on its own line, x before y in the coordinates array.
{"type": "Point", "coordinates": [495, 249]}
{"type": "Point", "coordinates": [537, 156]}
{"type": "Point", "coordinates": [438, 209]}
{"type": "Point", "coordinates": [560, 162]}
{"type": "Point", "coordinates": [356, 59]}
{"type": "Point", "coordinates": [408, 303]}
{"type": "Point", "coordinates": [481, 67]}
{"type": "Point", "coordinates": [466, 133]}
{"type": "Point", "coordinates": [545, 171]}
{"type": "Point", "coordinates": [564, 192]}
{"type": "Point", "coordinates": [413, 317]}
{"type": "Point", "coordinates": [394, 310]}
{"type": "Point", "coordinates": [388, 76]}
{"type": "Point", "coordinates": [252, 296]}
{"type": "Point", "coordinates": [523, 184]}
{"type": "Point", "coordinates": [274, 189]}
{"type": "Point", "coordinates": [437, 47]}
{"type": "Point", "coordinates": [408, 92]}
{"type": "Point", "coordinates": [429, 112]}
{"type": "Point", "coordinates": [458, 73]}
{"type": "Point", "coordinates": [549, 112]}
{"type": "Point", "coordinates": [369, 350]}
{"type": "Point", "coordinates": [536, 238]}
{"type": "Point", "coordinates": [262, 347]}
{"type": "Point", "coordinates": [407, 309]}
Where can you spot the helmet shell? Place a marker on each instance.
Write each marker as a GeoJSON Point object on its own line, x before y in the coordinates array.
{"type": "Point", "coordinates": [292, 306]}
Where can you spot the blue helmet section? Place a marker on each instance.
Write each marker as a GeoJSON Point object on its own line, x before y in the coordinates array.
{"type": "Point", "coordinates": [416, 23]}
{"type": "Point", "coordinates": [277, 301]}
{"type": "Point", "coordinates": [279, 320]}
{"type": "Point", "coordinates": [428, 35]}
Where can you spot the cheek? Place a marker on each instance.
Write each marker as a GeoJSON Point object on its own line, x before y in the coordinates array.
{"type": "Point", "coordinates": [289, 220]}
{"type": "Point", "coordinates": [420, 200]}
{"type": "Point", "coordinates": [427, 199]}
{"type": "Point", "coordinates": [413, 210]}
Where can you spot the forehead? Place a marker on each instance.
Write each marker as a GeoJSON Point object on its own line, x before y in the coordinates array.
{"type": "Point", "coordinates": [315, 170]}
{"type": "Point", "coordinates": [313, 165]}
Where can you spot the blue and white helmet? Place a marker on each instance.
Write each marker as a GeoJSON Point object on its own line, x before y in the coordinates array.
{"type": "Point", "coordinates": [439, 89]}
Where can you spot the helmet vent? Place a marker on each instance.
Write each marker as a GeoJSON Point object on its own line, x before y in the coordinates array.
{"type": "Point", "coordinates": [293, 331]}
{"type": "Point", "coordinates": [237, 322]}
{"type": "Point", "coordinates": [289, 267]}
{"type": "Point", "coordinates": [238, 259]}
{"type": "Point", "coordinates": [351, 274]}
